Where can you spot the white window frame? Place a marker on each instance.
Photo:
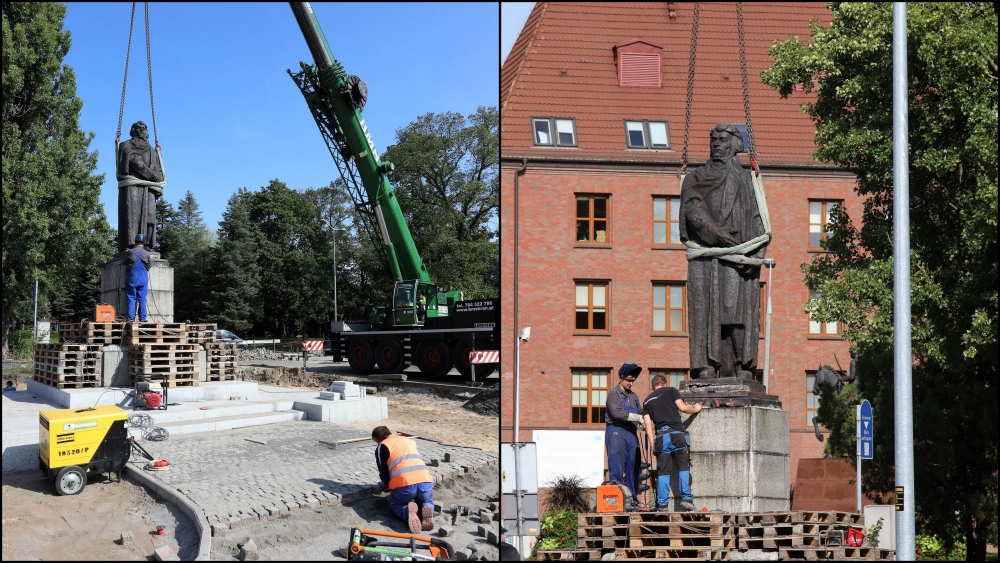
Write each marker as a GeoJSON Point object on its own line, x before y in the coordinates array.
{"type": "Point", "coordinates": [647, 137]}
{"type": "Point", "coordinates": [554, 123]}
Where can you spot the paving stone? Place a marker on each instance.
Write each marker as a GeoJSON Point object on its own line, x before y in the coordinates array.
{"type": "Point", "coordinates": [491, 537]}
{"type": "Point", "coordinates": [435, 462]}
{"type": "Point", "coordinates": [482, 530]}
{"type": "Point", "coordinates": [127, 538]}
{"type": "Point", "coordinates": [447, 457]}
{"type": "Point", "coordinates": [463, 555]}
{"type": "Point", "coordinates": [248, 551]}
{"type": "Point", "coordinates": [165, 553]}
{"type": "Point", "coordinates": [437, 508]}
{"type": "Point", "coordinates": [446, 531]}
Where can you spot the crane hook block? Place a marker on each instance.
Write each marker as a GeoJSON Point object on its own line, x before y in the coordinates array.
{"type": "Point", "coordinates": [386, 167]}
{"type": "Point", "coordinates": [356, 91]}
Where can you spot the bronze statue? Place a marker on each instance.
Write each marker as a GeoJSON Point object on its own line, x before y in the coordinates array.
{"type": "Point", "coordinates": [719, 210]}
{"type": "Point", "coordinates": [140, 183]}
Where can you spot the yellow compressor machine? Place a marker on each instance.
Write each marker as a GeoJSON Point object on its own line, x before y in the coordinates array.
{"type": "Point", "coordinates": [75, 442]}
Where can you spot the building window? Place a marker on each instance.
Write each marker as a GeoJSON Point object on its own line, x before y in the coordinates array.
{"type": "Point", "coordinates": [592, 306]}
{"type": "Point", "coordinates": [666, 219]}
{"type": "Point", "coordinates": [647, 135]}
{"type": "Point", "coordinates": [812, 401]}
{"type": "Point", "coordinates": [818, 328]}
{"type": "Point", "coordinates": [590, 395]}
{"type": "Point", "coordinates": [668, 308]}
{"type": "Point", "coordinates": [673, 376]}
{"type": "Point", "coordinates": [592, 218]}
{"type": "Point", "coordinates": [560, 132]}
{"type": "Point", "coordinates": [819, 221]}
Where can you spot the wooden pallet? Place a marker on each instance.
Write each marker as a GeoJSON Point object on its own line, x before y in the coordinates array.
{"type": "Point", "coordinates": [66, 350]}
{"type": "Point", "coordinates": [672, 553]}
{"type": "Point", "coordinates": [69, 384]}
{"type": "Point", "coordinates": [778, 542]}
{"type": "Point", "coordinates": [201, 333]}
{"type": "Point", "coordinates": [91, 332]}
{"type": "Point", "coordinates": [155, 333]}
{"type": "Point", "coordinates": [827, 517]}
{"type": "Point", "coordinates": [605, 519]}
{"type": "Point", "coordinates": [681, 540]}
{"type": "Point", "coordinates": [833, 553]}
{"type": "Point", "coordinates": [170, 380]}
{"type": "Point", "coordinates": [704, 517]}
{"type": "Point", "coordinates": [609, 542]}
{"type": "Point", "coordinates": [569, 555]}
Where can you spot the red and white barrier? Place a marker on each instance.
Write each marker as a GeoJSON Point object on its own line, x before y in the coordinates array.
{"type": "Point", "coordinates": [312, 345]}
{"type": "Point", "coordinates": [484, 357]}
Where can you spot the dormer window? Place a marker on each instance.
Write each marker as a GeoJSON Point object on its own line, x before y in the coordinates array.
{"type": "Point", "coordinates": [554, 131]}
{"type": "Point", "coordinates": [639, 63]}
{"type": "Point", "coordinates": [647, 135]}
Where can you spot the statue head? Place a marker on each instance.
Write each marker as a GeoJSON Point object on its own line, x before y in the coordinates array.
{"type": "Point", "coordinates": [138, 131]}
{"type": "Point", "coordinates": [726, 142]}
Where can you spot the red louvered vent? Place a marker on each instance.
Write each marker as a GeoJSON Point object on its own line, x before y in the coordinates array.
{"type": "Point", "coordinates": [639, 64]}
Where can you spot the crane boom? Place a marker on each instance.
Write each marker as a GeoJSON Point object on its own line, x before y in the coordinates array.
{"type": "Point", "coordinates": [336, 100]}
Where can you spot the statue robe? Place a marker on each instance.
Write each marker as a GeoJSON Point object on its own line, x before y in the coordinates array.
{"type": "Point", "coordinates": [718, 198]}
{"type": "Point", "coordinates": [137, 204]}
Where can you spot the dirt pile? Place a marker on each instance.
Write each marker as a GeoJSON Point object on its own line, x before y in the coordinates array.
{"type": "Point", "coordinates": [486, 403]}
{"type": "Point", "coordinates": [288, 377]}
{"type": "Point", "coordinates": [256, 354]}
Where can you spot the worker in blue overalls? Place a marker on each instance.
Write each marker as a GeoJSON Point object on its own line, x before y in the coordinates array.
{"type": "Point", "coordinates": [621, 417]}
{"type": "Point", "coordinates": [137, 260]}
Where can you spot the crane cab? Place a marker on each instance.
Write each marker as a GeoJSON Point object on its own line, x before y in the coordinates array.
{"type": "Point", "coordinates": [413, 301]}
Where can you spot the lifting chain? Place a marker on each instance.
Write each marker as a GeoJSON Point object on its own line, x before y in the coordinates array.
{"type": "Point", "coordinates": [751, 149]}
{"type": "Point", "coordinates": [149, 68]}
{"type": "Point", "coordinates": [152, 108]}
{"type": "Point", "coordinates": [690, 92]}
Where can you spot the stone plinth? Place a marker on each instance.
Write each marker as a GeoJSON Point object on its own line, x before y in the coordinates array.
{"type": "Point", "coordinates": [730, 391]}
{"type": "Point", "coordinates": [160, 297]}
{"type": "Point", "coordinates": [739, 459]}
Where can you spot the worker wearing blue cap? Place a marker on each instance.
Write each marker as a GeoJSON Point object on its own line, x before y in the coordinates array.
{"type": "Point", "coordinates": [137, 261]}
{"type": "Point", "coordinates": [621, 417]}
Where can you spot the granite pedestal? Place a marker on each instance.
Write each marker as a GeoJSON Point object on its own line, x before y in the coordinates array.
{"type": "Point", "coordinates": [160, 297]}
{"type": "Point", "coordinates": [740, 453]}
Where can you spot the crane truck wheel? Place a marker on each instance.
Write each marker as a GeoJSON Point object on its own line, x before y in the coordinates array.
{"type": "Point", "coordinates": [433, 358]}
{"type": "Point", "coordinates": [361, 356]}
{"type": "Point", "coordinates": [389, 356]}
{"type": "Point", "coordinates": [462, 364]}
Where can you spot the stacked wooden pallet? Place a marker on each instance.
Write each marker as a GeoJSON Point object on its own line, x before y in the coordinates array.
{"type": "Point", "coordinates": [67, 365]}
{"type": "Point", "coordinates": [715, 536]}
{"type": "Point", "coordinates": [175, 365]}
{"type": "Point", "coordinates": [155, 333]}
{"type": "Point", "coordinates": [220, 358]}
{"type": "Point", "coordinates": [91, 333]}
{"type": "Point", "coordinates": [201, 333]}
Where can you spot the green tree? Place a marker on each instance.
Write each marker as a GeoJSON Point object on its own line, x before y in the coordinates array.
{"type": "Point", "coordinates": [186, 243]}
{"type": "Point", "coordinates": [232, 294]}
{"type": "Point", "coordinates": [54, 228]}
{"type": "Point", "coordinates": [952, 53]}
{"type": "Point", "coordinates": [447, 182]}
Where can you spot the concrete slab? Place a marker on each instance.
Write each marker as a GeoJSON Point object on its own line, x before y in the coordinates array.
{"type": "Point", "coordinates": [89, 397]}
{"type": "Point", "coordinates": [342, 412]}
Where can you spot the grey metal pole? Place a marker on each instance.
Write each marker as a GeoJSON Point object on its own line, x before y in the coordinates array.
{"type": "Point", "coordinates": [905, 529]}
{"type": "Point", "coordinates": [769, 262]}
{"type": "Point", "coordinates": [517, 440]}
{"type": "Point", "coordinates": [36, 313]}
{"type": "Point", "coordinates": [335, 274]}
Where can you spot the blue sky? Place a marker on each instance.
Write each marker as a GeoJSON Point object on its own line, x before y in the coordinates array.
{"type": "Point", "coordinates": [512, 18]}
{"type": "Point", "coordinates": [227, 113]}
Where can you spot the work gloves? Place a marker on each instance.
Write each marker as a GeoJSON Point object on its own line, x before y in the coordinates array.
{"type": "Point", "coordinates": [633, 417]}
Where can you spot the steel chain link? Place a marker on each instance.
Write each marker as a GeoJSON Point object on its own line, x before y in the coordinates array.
{"type": "Point", "coordinates": [690, 89]}
{"type": "Point", "coordinates": [149, 68]}
{"type": "Point", "coordinates": [751, 149]}
{"type": "Point", "coordinates": [128, 55]}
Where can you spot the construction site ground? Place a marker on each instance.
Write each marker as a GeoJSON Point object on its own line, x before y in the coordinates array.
{"type": "Point", "coordinates": [226, 471]}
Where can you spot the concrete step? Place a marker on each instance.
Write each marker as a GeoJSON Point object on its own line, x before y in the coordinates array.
{"type": "Point", "coordinates": [229, 422]}
{"type": "Point", "coordinates": [191, 412]}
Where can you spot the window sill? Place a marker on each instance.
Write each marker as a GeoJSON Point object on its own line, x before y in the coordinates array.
{"type": "Point", "coordinates": [824, 337]}
{"type": "Point", "coordinates": [555, 146]}
{"type": "Point", "coordinates": [592, 245]}
{"type": "Point", "coordinates": [669, 334]}
{"type": "Point", "coordinates": [587, 333]}
{"type": "Point", "coordinates": [668, 247]}
{"type": "Point", "coordinates": [814, 250]}
{"type": "Point", "coordinates": [650, 149]}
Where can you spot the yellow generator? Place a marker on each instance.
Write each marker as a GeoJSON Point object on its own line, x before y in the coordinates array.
{"type": "Point", "coordinates": [75, 442]}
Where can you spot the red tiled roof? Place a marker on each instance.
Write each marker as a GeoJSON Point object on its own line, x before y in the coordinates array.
{"type": "Point", "coordinates": [563, 65]}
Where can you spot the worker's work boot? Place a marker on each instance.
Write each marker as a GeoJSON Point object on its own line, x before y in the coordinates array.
{"type": "Point", "coordinates": [412, 518]}
{"type": "Point", "coordinates": [687, 506]}
{"type": "Point", "coordinates": [426, 517]}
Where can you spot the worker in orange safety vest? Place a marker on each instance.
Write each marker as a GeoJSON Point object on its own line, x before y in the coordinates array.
{"type": "Point", "coordinates": [403, 473]}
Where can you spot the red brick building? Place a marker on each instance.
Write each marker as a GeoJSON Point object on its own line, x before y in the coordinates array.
{"type": "Point", "coordinates": [592, 118]}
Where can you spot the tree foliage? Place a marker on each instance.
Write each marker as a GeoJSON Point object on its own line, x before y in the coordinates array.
{"type": "Point", "coordinates": [232, 291]}
{"type": "Point", "coordinates": [952, 53]}
{"type": "Point", "coordinates": [185, 241]}
{"type": "Point", "coordinates": [54, 228]}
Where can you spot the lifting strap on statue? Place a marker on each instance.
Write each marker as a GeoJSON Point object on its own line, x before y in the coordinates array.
{"type": "Point", "coordinates": [734, 253]}
{"type": "Point", "coordinates": [156, 187]}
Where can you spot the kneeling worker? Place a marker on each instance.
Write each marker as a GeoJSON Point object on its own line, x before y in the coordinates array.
{"type": "Point", "coordinates": [403, 472]}
{"type": "Point", "coordinates": [671, 445]}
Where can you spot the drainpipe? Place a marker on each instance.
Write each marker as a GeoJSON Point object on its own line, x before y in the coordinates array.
{"type": "Point", "coordinates": [524, 167]}
{"type": "Point", "coordinates": [517, 346]}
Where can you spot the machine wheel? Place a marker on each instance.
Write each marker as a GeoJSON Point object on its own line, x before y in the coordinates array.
{"type": "Point", "coordinates": [461, 356]}
{"type": "Point", "coordinates": [361, 356]}
{"type": "Point", "coordinates": [70, 480]}
{"type": "Point", "coordinates": [433, 358]}
{"type": "Point", "coordinates": [389, 356]}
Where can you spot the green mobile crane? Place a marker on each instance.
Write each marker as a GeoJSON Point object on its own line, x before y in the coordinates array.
{"type": "Point", "coordinates": [426, 325]}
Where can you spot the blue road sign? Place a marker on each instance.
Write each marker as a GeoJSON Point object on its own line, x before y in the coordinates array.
{"type": "Point", "coordinates": [866, 430]}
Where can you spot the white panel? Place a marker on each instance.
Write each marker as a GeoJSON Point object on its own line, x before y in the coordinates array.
{"type": "Point", "coordinates": [660, 233]}
{"type": "Point", "coordinates": [595, 397]}
{"type": "Point", "coordinates": [570, 453]}
{"type": "Point", "coordinates": [676, 321]}
{"type": "Point", "coordinates": [815, 212]}
{"type": "Point", "coordinates": [831, 328]}
{"type": "Point", "coordinates": [814, 327]}
{"type": "Point", "coordinates": [601, 381]}
{"type": "Point", "coordinates": [659, 208]}
{"type": "Point", "coordinates": [675, 208]}
{"type": "Point", "coordinates": [581, 296]}
{"type": "Point", "coordinates": [658, 134]}
{"type": "Point", "coordinates": [599, 291]}
{"type": "Point", "coordinates": [675, 233]}
{"type": "Point", "coordinates": [659, 320]}
{"type": "Point", "coordinates": [659, 296]}
{"type": "Point", "coordinates": [676, 296]}
{"type": "Point", "coordinates": [529, 468]}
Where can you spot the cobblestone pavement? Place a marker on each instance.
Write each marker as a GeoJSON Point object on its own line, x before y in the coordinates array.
{"type": "Point", "coordinates": [237, 482]}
